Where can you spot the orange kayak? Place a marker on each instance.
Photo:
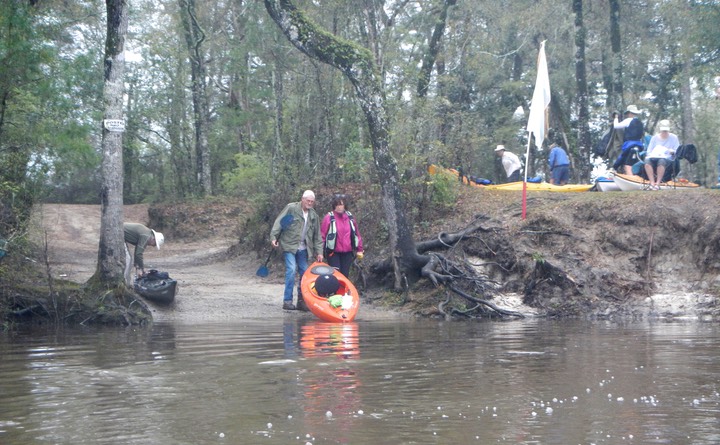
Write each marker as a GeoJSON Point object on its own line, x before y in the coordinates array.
{"type": "Point", "coordinates": [336, 306]}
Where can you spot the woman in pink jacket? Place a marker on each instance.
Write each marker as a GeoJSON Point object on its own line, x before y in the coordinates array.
{"type": "Point", "coordinates": [341, 239]}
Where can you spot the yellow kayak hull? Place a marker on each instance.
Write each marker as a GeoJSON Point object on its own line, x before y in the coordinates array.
{"type": "Point", "coordinates": [515, 186]}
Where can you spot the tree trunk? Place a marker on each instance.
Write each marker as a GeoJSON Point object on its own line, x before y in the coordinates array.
{"type": "Point", "coordinates": [688, 120]}
{"type": "Point", "coordinates": [195, 36]}
{"type": "Point", "coordinates": [582, 97]}
{"type": "Point", "coordinates": [433, 49]}
{"type": "Point", "coordinates": [616, 57]}
{"type": "Point", "coordinates": [277, 151]}
{"type": "Point", "coordinates": [111, 255]}
{"type": "Point", "coordinates": [357, 65]}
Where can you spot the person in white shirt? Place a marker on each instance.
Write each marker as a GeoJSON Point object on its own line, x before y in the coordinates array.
{"type": "Point", "coordinates": [660, 154]}
{"type": "Point", "coordinates": [510, 162]}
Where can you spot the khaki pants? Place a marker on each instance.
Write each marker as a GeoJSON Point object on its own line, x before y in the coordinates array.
{"type": "Point", "coordinates": [128, 267]}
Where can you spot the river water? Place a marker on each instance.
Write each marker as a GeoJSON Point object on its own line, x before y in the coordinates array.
{"type": "Point", "coordinates": [299, 381]}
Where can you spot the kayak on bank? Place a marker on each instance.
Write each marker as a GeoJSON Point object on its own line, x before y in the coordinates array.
{"type": "Point", "coordinates": [629, 183]}
{"type": "Point", "coordinates": [531, 185]}
{"type": "Point", "coordinates": [328, 294]}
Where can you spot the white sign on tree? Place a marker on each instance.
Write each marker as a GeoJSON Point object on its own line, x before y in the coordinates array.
{"type": "Point", "coordinates": [114, 125]}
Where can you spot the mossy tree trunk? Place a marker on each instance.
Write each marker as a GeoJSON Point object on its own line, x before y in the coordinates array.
{"type": "Point", "coordinates": [358, 65]}
{"type": "Point", "coordinates": [111, 255]}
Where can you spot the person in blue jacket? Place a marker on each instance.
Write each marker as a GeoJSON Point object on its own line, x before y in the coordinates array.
{"type": "Point", "coordinates": [633, 134]}
{"type": "Point", "coordinates": [559, 165]}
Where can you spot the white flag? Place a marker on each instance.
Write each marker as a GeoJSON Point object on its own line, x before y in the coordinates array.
{"type": "Point", "coordinates": [540, 100]}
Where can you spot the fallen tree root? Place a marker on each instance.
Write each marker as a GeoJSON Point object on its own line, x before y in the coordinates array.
{"type": "Point", "coordinates": [500, 311]}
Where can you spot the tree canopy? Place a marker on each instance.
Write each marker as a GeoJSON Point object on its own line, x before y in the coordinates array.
{"type": "Point", "coordinates": [218, 102]}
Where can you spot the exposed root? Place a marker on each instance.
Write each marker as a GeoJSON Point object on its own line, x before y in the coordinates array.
{"type": "Point", "coordinates": [500, 311]}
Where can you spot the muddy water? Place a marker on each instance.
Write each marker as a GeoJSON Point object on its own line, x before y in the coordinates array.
{"type": "Point", "coordinates": [370, 382]}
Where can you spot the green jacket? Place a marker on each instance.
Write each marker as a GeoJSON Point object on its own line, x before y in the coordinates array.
{"type": "Point", "coordinates": [137, 235]}
{"type": "Point", "coordinates": [289, 238]}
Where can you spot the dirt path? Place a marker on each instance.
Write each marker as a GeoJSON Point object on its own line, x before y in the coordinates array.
{"type": "Point", "coordinates": [212, 288]}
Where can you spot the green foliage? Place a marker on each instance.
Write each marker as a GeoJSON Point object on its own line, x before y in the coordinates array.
{"type": "Point", "coordinates": [272, 101]}
{"type": "Point", "coordinates": [250, 176]}
{"type": "Point", "coordinates": [444, 190]}
{"type": "Point", "coordinates": [354, 163]}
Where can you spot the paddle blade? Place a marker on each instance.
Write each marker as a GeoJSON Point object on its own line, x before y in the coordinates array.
{"type": "Point", "coordinates": [262, 272]}
{"type": "Point", "coordinates": [286, 221]}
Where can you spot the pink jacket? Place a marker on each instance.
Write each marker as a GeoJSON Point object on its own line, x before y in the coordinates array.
{"type": "Point", "coordinates": [342, 224]}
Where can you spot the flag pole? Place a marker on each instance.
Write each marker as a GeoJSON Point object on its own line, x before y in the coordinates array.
{"type": "Point", "coordinates": [537, 121]}
{"type": "Point", "coordinates": [524, 189]}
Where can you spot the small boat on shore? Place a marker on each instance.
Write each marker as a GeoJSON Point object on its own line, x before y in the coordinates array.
{"type": "Point", "coordinates": [510, 186]}
{"type": "Point", "coordinates": [540, 187]}
{"type": "Point", "coordinates": [603, 184]}
{"type": "Point", "coordinates": [328, 294]}
{"type": "Point", "coordinates": [628, 183]}
{"type": "Point", "coordinates": [157, 287]}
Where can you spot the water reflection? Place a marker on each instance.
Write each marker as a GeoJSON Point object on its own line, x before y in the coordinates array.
{"type": "Point", "coordinates": [331, 378]}
{"type": "Point", "coordinates": [319, 339]}
{"type": "Point", "coordinates": [298, 380]}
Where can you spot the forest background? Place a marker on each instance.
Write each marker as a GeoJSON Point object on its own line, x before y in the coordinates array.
{"type": "Point", "coordinates": [217, 103]}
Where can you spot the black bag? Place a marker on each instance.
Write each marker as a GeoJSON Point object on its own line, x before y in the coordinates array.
{"type": "Point", "coordinates": [687, 152]}
{"type": "Point", "coordinates": [601, 149]}
{"type": "Point", "coordinates": [154, 274]}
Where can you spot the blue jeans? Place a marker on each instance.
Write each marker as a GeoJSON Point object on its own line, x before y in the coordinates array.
{"type": "Point", "coordinates": [561, 174]}
{"type": "Point", "coordinates": [294, 263]}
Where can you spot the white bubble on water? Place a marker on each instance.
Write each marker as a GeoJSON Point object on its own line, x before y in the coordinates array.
{"type": "Point", "coordinates": [548, 410]}
{"type": "Point", "coordinates": [587, 390]}
{"type": "Point", "coordinates": [328, 414]}
{"type": "Point", "coordinates": [620, 399]}
{"type": "Point", "coordinates": [221, 435]}
{"type": "Point", "coordinates": [361, 412]}
{"type": "Point", "coordinates": [533, 414]}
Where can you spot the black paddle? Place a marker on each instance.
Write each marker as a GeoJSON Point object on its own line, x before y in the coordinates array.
{"type": "Point", "coordinates": [284, 224]}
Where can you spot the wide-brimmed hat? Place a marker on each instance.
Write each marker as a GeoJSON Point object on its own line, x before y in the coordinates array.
{"type": "Point", "coordinates": [632, 109]}
{"type": "Point", "coordinates": [159, 239]}
{"type": "Point", "coordinates": [500, 148]}
{"type": "Point", "coordinates": [664, 125]}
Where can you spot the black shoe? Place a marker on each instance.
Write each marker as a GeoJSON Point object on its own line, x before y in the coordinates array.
{"type": "Point", "coordinates": [288, 306]}
{"type": "Point", "coordinates": [301, 306]}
